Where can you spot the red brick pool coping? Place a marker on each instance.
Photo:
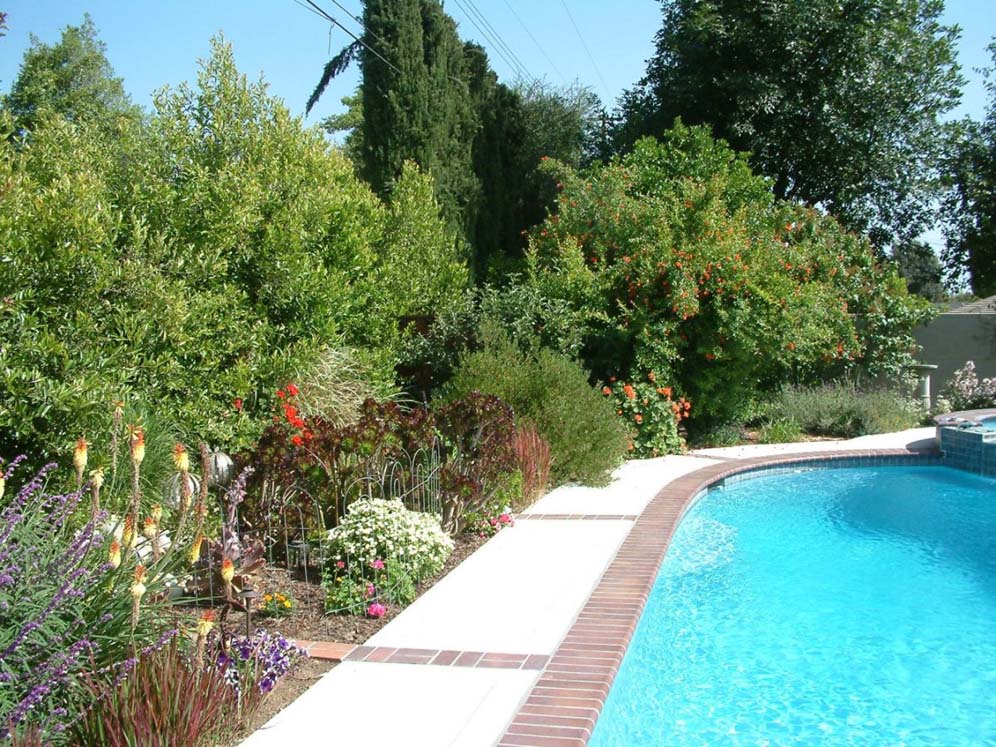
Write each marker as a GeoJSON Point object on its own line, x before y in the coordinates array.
{"type": "Point", "coordinates": [564, 704]}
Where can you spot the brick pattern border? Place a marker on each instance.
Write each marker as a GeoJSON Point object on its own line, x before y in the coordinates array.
{"type": "Point", "coordinates": [447, 658]}
{"type": "Point", "coordinates": [565, 702]}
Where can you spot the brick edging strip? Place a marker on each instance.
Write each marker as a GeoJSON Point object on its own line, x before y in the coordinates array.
{"type": "Point", "coordinates": [566, 700]}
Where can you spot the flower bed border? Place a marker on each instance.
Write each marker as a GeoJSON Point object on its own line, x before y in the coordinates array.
{"type": "Point", "coordinates": [566, 700]}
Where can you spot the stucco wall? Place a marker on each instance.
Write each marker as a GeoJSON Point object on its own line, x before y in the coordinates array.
{"type": "Point", "coordinates": [952, 339]}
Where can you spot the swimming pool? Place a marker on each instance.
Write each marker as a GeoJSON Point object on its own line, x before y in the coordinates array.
{"type": "Point", "coordinates": [838, 606]}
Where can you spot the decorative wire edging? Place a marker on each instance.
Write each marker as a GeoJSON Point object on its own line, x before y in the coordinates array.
{"type": "Point", "coordinates": [294, 535]}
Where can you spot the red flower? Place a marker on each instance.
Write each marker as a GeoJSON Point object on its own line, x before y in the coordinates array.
{"type": "Point", "coordinates": [292, 390]}
{"type": "Point", "coordinates": [297, 440]}
{"type": "Point", "coordinates": [237, 404]}
{"type": "Point", "coordinates": [280, 393]}
{"type": "Point", "coordinates": [290, 411]}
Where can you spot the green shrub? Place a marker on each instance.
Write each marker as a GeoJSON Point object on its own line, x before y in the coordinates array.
{"type": "Point", "coordinates": [844, 411]}
{"type": "Point", "coordinates": [198, 259]}
{"type": "Point", "coordinates": [727, 434]}
{"type": "Point", "coordinates": [652, 414]}
{"type": "Point", "coordinates": [677, 259]}
{"type": "Point", "coordinates": [550, 390]}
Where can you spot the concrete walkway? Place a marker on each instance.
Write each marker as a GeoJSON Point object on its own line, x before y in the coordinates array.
{"type": "Point", "coordinates": [453, 668]}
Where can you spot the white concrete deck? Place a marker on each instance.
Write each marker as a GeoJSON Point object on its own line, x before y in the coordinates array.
{"type": "Point", "coordinates": [519, 593]}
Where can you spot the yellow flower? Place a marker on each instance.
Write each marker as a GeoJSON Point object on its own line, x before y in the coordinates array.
{"type": "Point", "coordinates": [128, 533]}
{"type": "Point", "coordinates": [97, 477]}
{"type": "Point", "coordinates": [157, 513]}
{"type": "Point", "coordinates": [114, 554]}
{"type": "Point", "coordinates": [137, 444]}
{"type": "Point", "coordinates": [227, 571]}
{"type": "Point", "coordinates": [149, 527]}
{"type": "Point", "coordinates": [3, 484]}
{"type": "Point", "coordinates": [205, 623]}
{"type": "Point", "coordinates": [267, 598]}
{"type": "Point", "coordinates": [79, 458]}
{"type": "Point", "coordinates": [181, 458]}
{"type": "Point", "coordinates": [287, 603]}
{"type": "Point", "coordinates": [138, 587]}
{"type": "Point", "coordinates": [195, 550]}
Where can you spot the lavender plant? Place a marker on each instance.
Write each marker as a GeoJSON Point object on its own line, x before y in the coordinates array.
{"type": "Point", "coordinates": [73, 598]}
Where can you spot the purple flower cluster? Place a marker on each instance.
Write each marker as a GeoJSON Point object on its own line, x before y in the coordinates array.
{"type": "Point", "coordinates": [45, 569]}
{"type": "Point", "coordinates": [259, 661]}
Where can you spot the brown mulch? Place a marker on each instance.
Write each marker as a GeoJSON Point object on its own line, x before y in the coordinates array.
{"type": "Point", "coordinates": [307, 622]}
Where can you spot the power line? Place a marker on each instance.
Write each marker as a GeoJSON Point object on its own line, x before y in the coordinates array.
{"type": "Point", "coordinates": [358, 40]}
{"type": "Point", "coordinates": [495, 45]}
{"type": "Point", "coordinates": [535, 40]}
{"type": "Point", "coordinates": [586, 50]}
{"type": "Point", "coordinates": [501, 40]}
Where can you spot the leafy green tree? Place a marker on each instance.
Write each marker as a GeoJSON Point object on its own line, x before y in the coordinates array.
{"type": "Point", "coordinates": [196, 258]}
{"type": "Point", "coordinates": [71, 78]}
{"type": "Point", "coordinates": [839, 103]}
{"type": "Point", "coordinates": [971, 231]}
{"type": "Point", "coordinates": [682, 267]}
{"type": "Point", "coordinates": [920, 267]}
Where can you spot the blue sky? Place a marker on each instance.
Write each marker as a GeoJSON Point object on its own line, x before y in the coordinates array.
{"type": "Point", "coordinates": [155, 43]}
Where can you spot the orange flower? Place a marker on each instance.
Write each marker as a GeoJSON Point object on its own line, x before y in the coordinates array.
{"type": "Point", "coordinates": [205, 623]}
{"type": "Point", "coordinates": [629, 392]}
{"type": "Point", "coordinates": [79, 459]}
{"type": "Point", "coordinates": [638, 418]}
{"type": "Point", "coordinates": [114, 554]}
{"type": "Point", "coordinates": [651, 377]}
{"type": "Point", "coordinates": [137, 445]}
{"type": "Point", "coordinates": [606, 390]}
{"type": "Point", "coordinates": [181, 458]}
{"type": "Point", "coordinates": [227, 571]}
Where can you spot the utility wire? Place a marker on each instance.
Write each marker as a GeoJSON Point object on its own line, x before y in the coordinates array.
{"type": "Point", "coordinates": [357, 39]}
{"type": "Point", "coordinates": [495, 45]}
{"type": "Point", "coordinates": [494, 31]}
{"type": "Point", "coordinates": [535, 40]}
{"type": "Point", "coordinates": [587, 51]}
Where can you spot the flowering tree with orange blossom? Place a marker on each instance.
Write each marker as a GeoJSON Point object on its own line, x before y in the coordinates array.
{"type": "Point", "coordinates": [683, 264]}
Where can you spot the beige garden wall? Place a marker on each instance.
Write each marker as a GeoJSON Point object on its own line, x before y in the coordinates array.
{"type": "Point", "coordinates": [953, 338]}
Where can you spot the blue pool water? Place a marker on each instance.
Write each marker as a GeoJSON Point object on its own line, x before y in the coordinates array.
{"type": "Point", "coordinates": [988, 423]}
{"type": "Point", "coordinates": [824, 607]}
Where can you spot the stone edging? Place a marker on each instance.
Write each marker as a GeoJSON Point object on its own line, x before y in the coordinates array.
{"type": "Point", "coordinates": [566, 700]}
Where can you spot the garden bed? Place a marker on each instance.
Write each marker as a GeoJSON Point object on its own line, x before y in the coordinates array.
{"type": "Point", "coordinates": [307, 622]}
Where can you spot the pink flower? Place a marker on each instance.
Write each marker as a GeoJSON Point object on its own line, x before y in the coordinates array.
{"type": "Point", "coordinates": [377, 565]}
{"type": "Point", "coordinates": [371, 590]}
{"type": "Point", "coordinates": [504, 519]}
{"type": "Point", "coordinates": [376, 610]}
{"type": "Point", "coordinates": [340, 564]}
